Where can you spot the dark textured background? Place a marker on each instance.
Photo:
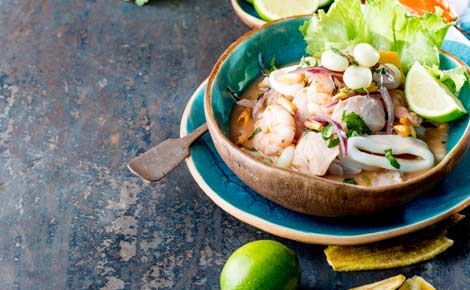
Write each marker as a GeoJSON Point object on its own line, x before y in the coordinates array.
{"type": "Point", "coordinates": [84, 87]}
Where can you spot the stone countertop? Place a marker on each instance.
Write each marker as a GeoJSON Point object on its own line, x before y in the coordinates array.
{"type": "Point", "coordinates": [84, 87]}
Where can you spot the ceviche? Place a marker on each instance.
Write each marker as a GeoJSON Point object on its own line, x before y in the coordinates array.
{"type": "Point", "coordinates": [349, 113]}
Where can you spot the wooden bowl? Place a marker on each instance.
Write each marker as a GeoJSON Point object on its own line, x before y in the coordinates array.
{"type": "Point", "coordinates": [312, 195]}
{"type": "Point", "coordinates": [247, 14]}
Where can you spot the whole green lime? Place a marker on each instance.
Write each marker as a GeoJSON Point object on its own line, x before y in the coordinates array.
{"type": "Point", "coordinates": [263, 264]}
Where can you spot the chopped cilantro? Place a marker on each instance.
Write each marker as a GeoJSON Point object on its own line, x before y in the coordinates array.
{"type": "Point", "coordinates": [332, 142]}
{"type": "Point", "coordinates": [267, 160]}
{"type": "Point", "coordinates": [366, 180]}
{"type": "Point", "coordinates": [354, 62]}
{"type": "Point", "coordinates": [306, 131]}
{"type": "Point", "coordinates": [345, 90]}
{"type": "Point", "coordinates": [327, 133]}
{"type": "Point", "coordinates": [360, 91]}
{"type": "Point", "coordinates": [335, 88]}
{"type": "Point", "coordinates": [252, 149]}
{"type": "Point", "coordinates": [334, 49]}
{"type": "Point", "coordinates": [256, 131]}
{"type": "Point", "coordinates": [350, 180]}
{"type": "Point", "coordinates": [273, 65]}
{"type": "Point", "coordinates": [391, 158]}
{"type": "Point", "coordinates": [355, 125]}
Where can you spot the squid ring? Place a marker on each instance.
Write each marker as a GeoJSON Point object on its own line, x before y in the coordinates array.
{"type": "Point", "coordinates": [370, 150]}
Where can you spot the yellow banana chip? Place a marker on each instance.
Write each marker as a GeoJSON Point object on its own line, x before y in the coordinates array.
{"type": "Point", "coordinates": [391, 283]}
{"type": "Point", "coordinates": [385, 255]}
{"type": "Point", "coordinates": [416, 283]}
{"type": "Point", "coordinates": [398, 252]}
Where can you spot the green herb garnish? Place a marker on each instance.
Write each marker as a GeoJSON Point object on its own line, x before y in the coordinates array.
{"type": "Point", "coordinates": [273, 65]}
{"type": "Point", "coordinates": [355, 125]}
{"type": "Point", "coordinates": [337, 51]}
{"type": "Point", "coordinates": [366, 180]}
{"type": "Point", "coordinates": [345, 90]}
{"type": "Point", "coordinates": [335, 88]}
{"type": "Point", "coordinates": [350, 180]}
{"type": "Point", "coordinates": [391, 158]}
{"type": "Point", "coordinates": [306, 131]}
{"type": "Point", "coordinates": [327, 133]}
{"type": "Point", "coordinates": [267, 160]}
{"type": "Point", "coordinates": [256, 131]}
{"type": "Point", "coordinates": [332, 143]}
{"type": "Point", "coordinates": [354, 62]}
{"type": "Point", "coordinates": [360, 91]}
{"type": "Point", "coordinates": [252, 149]}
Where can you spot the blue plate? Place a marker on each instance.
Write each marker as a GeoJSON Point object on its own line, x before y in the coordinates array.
{"type": "Point", "coordinates": [232, 195]}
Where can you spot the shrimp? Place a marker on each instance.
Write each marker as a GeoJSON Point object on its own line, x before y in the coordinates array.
{"type": "Point", "coordinates": [276, 130]}
{"type": "Point", "coordinates": [323, 83]}
{"type": "Point", "coordinates": [310, 101]}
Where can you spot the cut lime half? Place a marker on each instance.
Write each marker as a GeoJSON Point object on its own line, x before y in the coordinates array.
{"type": "Point", "coordinates": [275, 9]}
{"type": "Point", "coordinates": [429, 98]}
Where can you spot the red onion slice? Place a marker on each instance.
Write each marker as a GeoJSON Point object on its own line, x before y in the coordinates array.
{"type": "Point", "coordinates": [389, 107]}
{"type": "Point", "coordinates": [247, 103]}
{"type": "Point", "coordinates": [259, 104]}
{"type": "Point", "coordinates": [317, 70]}
{"type": "Point", "coordinates": [331, 105]}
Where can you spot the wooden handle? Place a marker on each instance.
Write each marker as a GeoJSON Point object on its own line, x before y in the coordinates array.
{"type": "Point", "coordinates": [160, 160]}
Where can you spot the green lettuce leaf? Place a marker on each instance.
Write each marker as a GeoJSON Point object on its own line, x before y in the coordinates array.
{"type": "Point", "coordinates": [385, 24]}
{"type": "Point", "coordinates": [453, 79]}
{"type": "Point", "coordinates": [341, 28]}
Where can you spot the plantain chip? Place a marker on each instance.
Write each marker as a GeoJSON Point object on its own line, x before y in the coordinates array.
{"type": "Point", "coordinates": [391, 283]}
{"type": "Point", "coordinates": [416, 283]}
{"type": "Point", "coordinates": [398, 252]}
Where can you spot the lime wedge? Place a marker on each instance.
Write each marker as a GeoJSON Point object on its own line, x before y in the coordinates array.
{"type": "Point", "coordinates": [274, 9]}
{"type": "Point", "coordinates": [429, 98]}
{"type": "Point", "coordinates": [323, 3]}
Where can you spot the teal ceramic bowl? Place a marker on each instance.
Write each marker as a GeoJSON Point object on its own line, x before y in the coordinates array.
{"type": "Point", "coordinates": [247, 13]}
{"type": "Point", "coordinates": [238, 67]}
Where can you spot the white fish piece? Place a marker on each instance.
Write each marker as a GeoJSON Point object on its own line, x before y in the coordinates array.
{"type": "Point", "coordinates": [285, 88]}
{"type": "Point", "coordinates": [386, 178]}
{"type": "Point", "coordinates": [369, 109]}
{"type": "Point", "coordinates": [370, 150]}
{"type": "Point", "coordinates": [312, 155]}
{"type": "Point", "coordinates": [285, 160]}
{"type": "Point", "coordinates": [343, 165]}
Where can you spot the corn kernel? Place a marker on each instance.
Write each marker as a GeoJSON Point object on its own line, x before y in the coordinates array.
{"type": "Point", "coordinates": [404, 121]}
{"type": "Point", "coordinates": [286, 104]}
{"type": "Point", "coordinates": [402, 130]}
{"type": "Point", "coordinates": [244, 117]}
{"type": "Point", "coordinates": [241, 139]}
{"type": "Point", "coordinates": [313, 125]}
{"type": "Point", "coordinates": [373, 88]}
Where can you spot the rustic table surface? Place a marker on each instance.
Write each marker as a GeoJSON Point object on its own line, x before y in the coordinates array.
{"type": "Point", "coordinates": [84, 87]}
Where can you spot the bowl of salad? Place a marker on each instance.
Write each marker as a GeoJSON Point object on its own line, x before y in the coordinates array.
{"type": "Point", "coordinates": [349, 112]}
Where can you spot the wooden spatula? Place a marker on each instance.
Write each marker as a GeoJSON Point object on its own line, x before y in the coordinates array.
{"type": "Point", "coordinates": [159, 161]}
